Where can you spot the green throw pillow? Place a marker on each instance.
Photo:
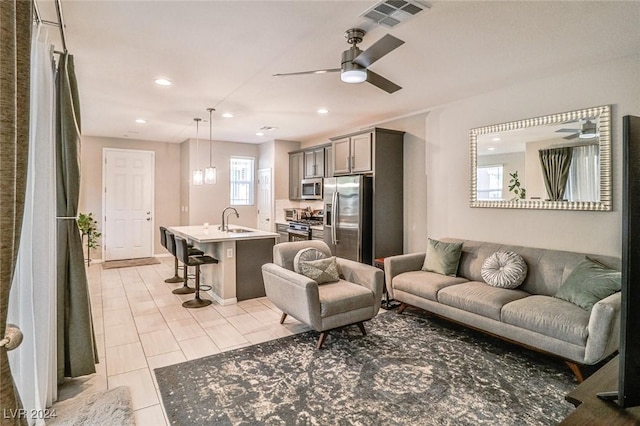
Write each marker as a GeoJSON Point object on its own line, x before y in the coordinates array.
{"type": "Point", "coordinates": [321, 270]}
{"type": "Point", "coordinates": [442, 258]}
{"type": "Point", "coordinates": [588, 283]}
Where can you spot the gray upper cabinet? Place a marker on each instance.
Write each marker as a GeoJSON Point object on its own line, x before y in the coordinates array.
{"type": "Point", "coordinates": [341, 156]}
{"type": "Point", "coordinates": [328, 161]}
{"type": "Point", "coordinates": [362, 152]}
{"type": "Point", "coordinates": [314, 163]}
{"type": "Point", "coordinates": [296, 173]}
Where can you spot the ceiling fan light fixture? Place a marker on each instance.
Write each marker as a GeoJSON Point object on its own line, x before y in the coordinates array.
{"type": "Point", "coordinates": [354, 76]}
{"type": "Point", "coordinates": [589, 130]}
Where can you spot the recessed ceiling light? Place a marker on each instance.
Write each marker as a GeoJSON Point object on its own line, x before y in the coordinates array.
{"type": "Point", "coordinates": [141, 120]}
{"type": "Point", "coordinates": [320, 72]}
{"type": "Point", "coordinates": [163, 82]}
{"type": "Point", "coordinates": [496, 139]}
{"type": "Point", "coordinates": [491, 148]}
{"type": "Point", "coordinates": [323, 111]}
{"type": "Point", "coordinates": [259, 134]}
{"type": "Point", "coordinates": [227, 115]}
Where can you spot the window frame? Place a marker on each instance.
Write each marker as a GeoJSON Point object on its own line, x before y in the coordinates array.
{"type": "Point", "coordinates": [235, 183]}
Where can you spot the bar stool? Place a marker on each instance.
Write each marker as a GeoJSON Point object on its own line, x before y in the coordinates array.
{"type": "Point", "coordinates": [171, 246]}
{"type": "Point", "coordinates": [163, 240]}
{"type": "Point", "coordinates": [183, 254]}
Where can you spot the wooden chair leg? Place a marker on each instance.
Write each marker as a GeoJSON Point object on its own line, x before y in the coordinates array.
{"type": "Point", "coordinates": [282, 318]}
{"type": "Point", "coordinates": [361, 327]}
{"type": "Point", "coordinates": [322, 338]}
{"type": "Point", "coordinates": [402, 307]}
{"type": "Point", "coordinates": [575, 369]}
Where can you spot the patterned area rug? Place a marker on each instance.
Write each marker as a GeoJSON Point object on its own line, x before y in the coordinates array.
{"type": "Point", "coordinates": [130, 262]}
{"type": "Point", "coordinates": [409, 369]}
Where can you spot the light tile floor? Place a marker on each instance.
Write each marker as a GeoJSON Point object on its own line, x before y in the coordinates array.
{"type": "Point", "coordinates": [140, 325]}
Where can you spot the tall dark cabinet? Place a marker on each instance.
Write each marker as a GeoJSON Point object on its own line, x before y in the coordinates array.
{"type": "Point", "coordinates": [378, 153]}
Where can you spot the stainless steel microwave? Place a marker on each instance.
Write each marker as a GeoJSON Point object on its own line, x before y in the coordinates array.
{"type": "Point", "coordinates": [311, 189]}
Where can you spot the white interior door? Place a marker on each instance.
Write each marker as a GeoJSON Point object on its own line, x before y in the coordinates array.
{"type": "Point", "coordinates": [265, 221]}
{"type": "Point", "coordinates": [128, 204]}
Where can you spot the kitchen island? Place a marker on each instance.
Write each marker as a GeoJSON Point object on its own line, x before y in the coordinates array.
{"type": "Point", "coordinates": [241, 252]}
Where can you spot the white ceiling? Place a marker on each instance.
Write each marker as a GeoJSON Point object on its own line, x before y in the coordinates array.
{"type": "Point", "coordinates": [223, 54]}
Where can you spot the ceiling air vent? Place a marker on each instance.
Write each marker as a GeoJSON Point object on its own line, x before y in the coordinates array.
{"type": "Point", "coordinates": [390, 13]}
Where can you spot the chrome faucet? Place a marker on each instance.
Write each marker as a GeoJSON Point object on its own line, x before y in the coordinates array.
{"type": "Point", "coordinates": [225, 227]}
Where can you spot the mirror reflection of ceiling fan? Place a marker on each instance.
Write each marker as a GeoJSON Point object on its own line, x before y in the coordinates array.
{"type": "Point", "coordinates": [587, 130]}
{"type": "Point", "coordinates": [355, 62]}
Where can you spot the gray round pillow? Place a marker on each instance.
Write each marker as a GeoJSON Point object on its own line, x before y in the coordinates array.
{"type": "Point", "coordinates": [306, 255]}
{"type": "Point", "coordinates": [504, 269]}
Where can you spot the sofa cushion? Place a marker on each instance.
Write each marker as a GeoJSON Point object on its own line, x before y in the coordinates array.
{"type": "Point", "coordinates": [549, 316]}
{"type": "Point", "coordinates": [479, 298]}
{"type": "Point", "coordinates": [589, 282]}
{"type": "Point", "coordinates": [424, 284]}
{"type": "Point", "coordinates": [343, 296]}
{"type": "Point", "coordinates": [442, 258]}
{"type": "Point", "coordinates": [504, 269]}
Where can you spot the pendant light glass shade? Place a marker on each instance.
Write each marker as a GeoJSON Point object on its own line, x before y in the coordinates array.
{"type": "Point", "coordinates": [198, 175]}
{"type": "Point", "coordinates": [210, 173]}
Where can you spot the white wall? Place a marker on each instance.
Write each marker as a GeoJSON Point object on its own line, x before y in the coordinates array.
{"type": "Point", "coordinates": [449, 214]}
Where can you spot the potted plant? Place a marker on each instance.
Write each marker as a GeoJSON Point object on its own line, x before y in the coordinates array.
{"type": "Point", "coordinates": [514, 186]}
{"type": "Point", "coordinates": [88, 226]}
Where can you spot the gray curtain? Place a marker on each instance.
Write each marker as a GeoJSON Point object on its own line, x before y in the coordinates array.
{"type": "Point", "coordinates": [76, 342]}
{"type": "Point", "coordinates": [15, 64]}
{"type": "Point", "coordinates": [555, 164]}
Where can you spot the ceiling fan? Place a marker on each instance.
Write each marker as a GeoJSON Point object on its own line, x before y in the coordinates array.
{"type": "Point", "coordinates": [355, 62]}
{"type": "Point", "coordinates": [587, 130]}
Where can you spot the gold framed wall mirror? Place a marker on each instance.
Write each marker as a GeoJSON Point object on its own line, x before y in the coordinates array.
{"type": "Point", "coordinates": [557, 162]}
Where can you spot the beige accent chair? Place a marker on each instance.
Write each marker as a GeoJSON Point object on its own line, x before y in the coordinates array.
{"type": "Point", "coordinates": [352, 300]}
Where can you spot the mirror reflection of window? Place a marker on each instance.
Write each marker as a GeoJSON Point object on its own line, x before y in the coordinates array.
{"type": "Point", "coordinates": [490, 180]}
{"type": "Point", "coordinates": [584, 174]}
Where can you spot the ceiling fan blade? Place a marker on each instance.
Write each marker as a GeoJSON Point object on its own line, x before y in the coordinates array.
{"type": "Point", "coordinates": [377, 50]}
{"type": "Point", "coordinates": [575, 135]}
{"type": "Point", "coordinates": [568, 130]}
{"type": "Point", "coordinates": [381, 82]}
{"type": "Point", "coordinates": [308, 72]}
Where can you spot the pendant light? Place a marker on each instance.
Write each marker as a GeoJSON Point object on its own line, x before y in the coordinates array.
{"type": "Point", "coordinates": [197, 174]}
{"type": "Point", "coordinates": [210, 173]}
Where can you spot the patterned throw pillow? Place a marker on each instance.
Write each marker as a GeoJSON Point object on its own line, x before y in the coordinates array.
{"type": "Point", "coordinates": [321, 270]}
{"type": "Point", "coordinates": [305, 255]}
{"type": "Point", "coordinates": [504, 269]}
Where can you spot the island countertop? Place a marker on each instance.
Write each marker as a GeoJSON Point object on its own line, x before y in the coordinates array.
{"type": "Point", "coordinates": [212, 234]}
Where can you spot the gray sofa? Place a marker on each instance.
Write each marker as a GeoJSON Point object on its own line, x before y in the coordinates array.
{"type": "Point", "coordinates": [527, 315]}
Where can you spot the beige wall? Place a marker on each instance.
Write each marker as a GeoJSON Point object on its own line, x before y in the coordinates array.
{"type": "Point", "coordinates": [447, 155]}
{"type": "Point", "coordinates": [167, 180]}
{"type": "Point", "coordinates": [206, 202]}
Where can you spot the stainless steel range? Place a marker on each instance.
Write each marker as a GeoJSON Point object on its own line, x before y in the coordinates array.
{"type": "Point", "coordinates": [301, 229]}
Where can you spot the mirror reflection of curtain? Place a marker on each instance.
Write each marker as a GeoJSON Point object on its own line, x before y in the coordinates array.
{"type": "Point", "coordinates": [584, 174]}
{"type": "Point", "coordinates": [555, 164]}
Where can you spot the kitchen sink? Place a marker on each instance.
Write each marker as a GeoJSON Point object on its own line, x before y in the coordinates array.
{"type": "Point", "coordinates": [239, 230]}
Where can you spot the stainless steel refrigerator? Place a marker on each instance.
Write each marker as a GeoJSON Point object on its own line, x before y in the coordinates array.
{"type": "Point", "coordinates": [348, 217]}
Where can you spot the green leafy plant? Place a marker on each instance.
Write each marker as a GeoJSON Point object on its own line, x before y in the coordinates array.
{"type": "Point", "coordinates": [88, 226]}
{"type": "Point", "coordinates": [514, 186]}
